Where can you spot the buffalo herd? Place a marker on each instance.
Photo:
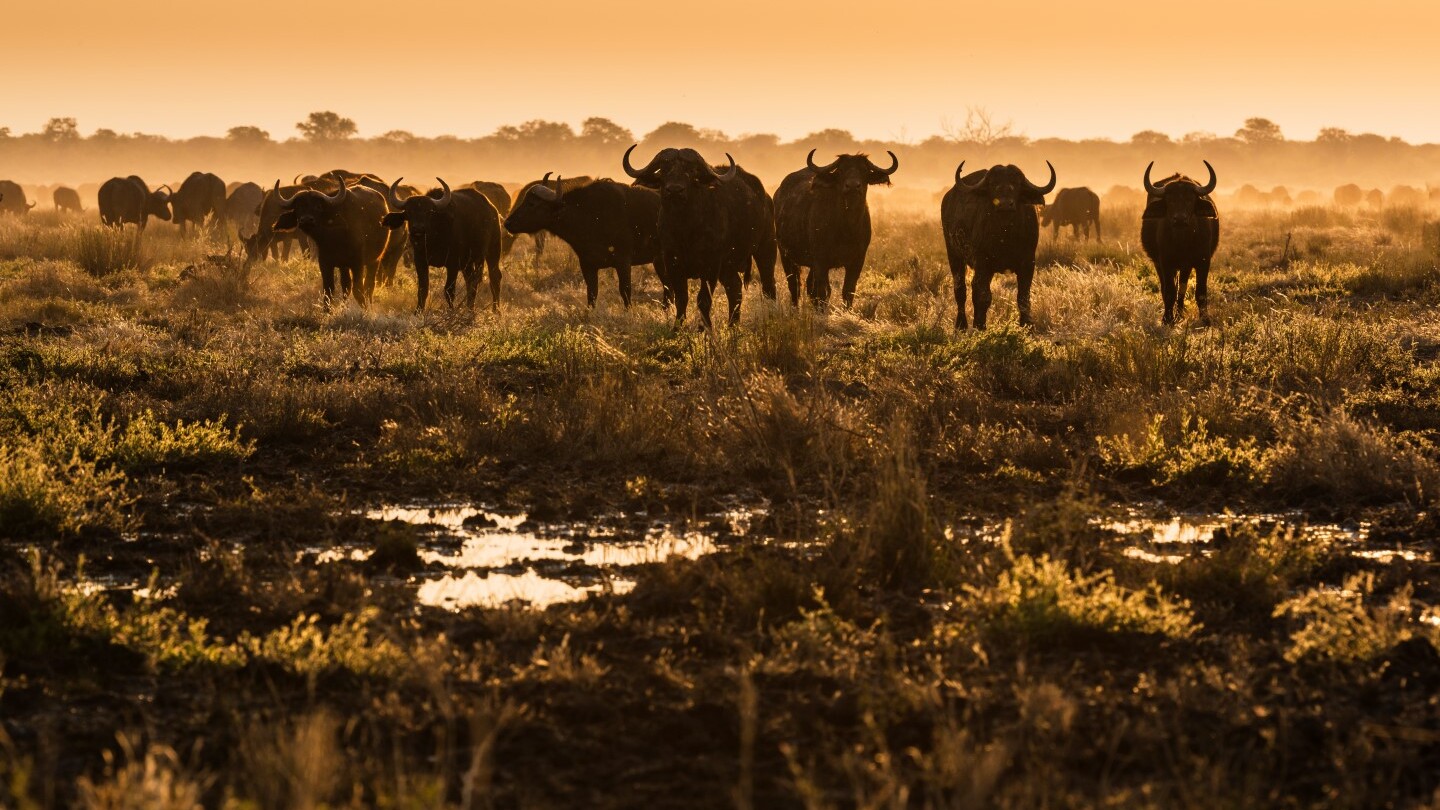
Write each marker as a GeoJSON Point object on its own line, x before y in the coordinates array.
{"type": "Point", "coordinates": [687, 218]}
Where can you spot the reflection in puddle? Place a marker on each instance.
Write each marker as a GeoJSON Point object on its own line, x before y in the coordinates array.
{"type": "Point", "coordinates": [497, 558]}
{"type": "Point", "coordinates": [1173, 538]}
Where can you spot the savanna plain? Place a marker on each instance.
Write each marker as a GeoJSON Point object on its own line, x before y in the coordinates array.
{"type": "Point", "coordinates": [822, 559]}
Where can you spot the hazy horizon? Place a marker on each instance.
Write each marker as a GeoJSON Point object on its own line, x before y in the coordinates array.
{"type": "Point", "coordinates": [896, 72]}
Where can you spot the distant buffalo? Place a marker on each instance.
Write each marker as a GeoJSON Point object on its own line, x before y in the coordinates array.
{"type": "Point", "coordinates": [458, 230]}
{"type": "Point", "coordinates": [12, 199]}
{"type": "Point", "coordinates": [712, 224]}
{"type": "Point", "coordinates": [199, 199]}
{"type": "Point", "coordinates": [242, 208]}
{"type": "Point", "coordinates": [1179, 231]}
{"type": "Point", "coordinates": [126, 200]}
{"type": "Point", "coordinates": [1405, 197]}
{"type": "Point", "coordinates": [822, 221]}
{"type": "Point", "coordinates": [348, 233]}
{"type": "Point", "coordinates": [607, 224]}
{"type": "Point", "coordinates": [990, 225]}
{"type": "Point", "coordinates": [1123, 197]}
{"type": "Point", "coordinates": [1078, 208]}
{"type": "Point", "coordinates": [66, 199]}
{"type": "Point", "coordinates": [1375, 198]}
{"type": "Point", "coordinates": [1349, 195]}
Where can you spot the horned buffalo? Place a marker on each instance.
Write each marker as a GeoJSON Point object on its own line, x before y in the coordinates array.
{"type": "Point", "coordinates": [128, 199]}
{"type": "Point", "coordinates": [568, 185]}
{"type": "Point", "coordinates": [199, 199]}
{"type": "Point", "coordinates": [822, 221]}
{"type": "Point", "coordinates": [607, 224]}
{"type": "Point", "coordinates": [458, 230]}
{"type": "Point", "coordinates": [347, 230]}
{"type": "Point", "coordinates": [1179, 231]}
{"type": "Point", "coordinates": [1077, 207]}
{"type": "Point", "coordinates": [990, 225]}
{"type": "Point", "coordinates": [265, 239]}
{"type": "Point", "coordinates": [66, 199]}
{"type": "Point", "coordinates": [12, 199]}
{"type": "Point", "coordinates": [711, 225]}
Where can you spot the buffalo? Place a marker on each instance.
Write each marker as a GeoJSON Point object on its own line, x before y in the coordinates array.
{"type": "Point", "coordinates": [1403, 196]}
{"type": "Point", "coordinates": [128, 199]}
{"type": "Point", "coordinates": [1349, 195]}
{"type": "Point", "coordinates": [1077, 207]}
{"type": "Point", "coordinates": [265, 239]}
{"type": "Point", "coordinates": [347, 230]}
{"type": "Point", "coordinates": [458, 230]}
{"type": "Point", "coordinates": [12, 198]}
{"type": "Point", "coordinates": [242, 208]}
{"type": "Point", "coordinates": [1179, 231]}
{"type": "Point", "coordinates": [1375, 198]}
{"type": "Point", "coordinates": [607, 224]}
{"type": "Point", "coordinates": [500, 198]}
{"type": "Point", "coordinates": [822, 221]}
{"type": "Point", "coordinates": [991, 225]}
{"type": "Point", "coordinates": [711, 225]}
{"type": "Point", "coordinates": [199, 199]}
{"type": "Point", "coordinates": [66, 199]}
{"type": "Point", "coordinates": [568, 185]}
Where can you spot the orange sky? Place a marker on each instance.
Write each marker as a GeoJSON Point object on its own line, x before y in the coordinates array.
{"type": "Point", "coordinates": [1081, 68]}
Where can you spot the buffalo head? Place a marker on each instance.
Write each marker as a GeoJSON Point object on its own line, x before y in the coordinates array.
{"type": "Point", "coordinates": [537, 210]}
{"type": "Point", "coordinates": [851, 174]}
{"type": "Point", "coordinates": [157, 203]}
{"type": "Point", "coordinates": [1180, 196]}
{"type": "Point", "coordinates": [1007, 186]}
{"type": "Point", "coordinates": [309, 208]}
{"type": "Point", "coordinates": [676, 173]}
{"type": "Point", "coordinates": [422, 212]}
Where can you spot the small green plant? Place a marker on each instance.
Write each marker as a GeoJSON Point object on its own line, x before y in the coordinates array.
{"type": "Point", "coordinates": [1335, 624]}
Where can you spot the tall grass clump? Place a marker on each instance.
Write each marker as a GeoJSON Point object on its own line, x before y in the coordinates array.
{"type": "Point", "coordinates": [103, 251]}
{"type": "Point", "coordinates": [41, 495]}
{"type": "Point", "coordinates": [1336, 458]}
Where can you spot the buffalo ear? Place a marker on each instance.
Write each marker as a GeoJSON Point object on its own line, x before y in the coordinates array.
{"type": "Point", "coordinates": [878, 178]}
{"type": "Point", "coordinates": [394, 220]}
{"type": "Point", "coordinates": [287, 221]}
{"type": "Point", "coordinates": [1033, 197]}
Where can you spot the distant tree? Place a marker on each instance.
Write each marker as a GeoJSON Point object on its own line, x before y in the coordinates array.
{"type": "Point", "coordinates": [604, 132]}
{"type": "Point", "coordinates": [4, 132]}
{"type": "Point", "coordinates": [103, 135]}
{"type": "Point", "coordinates": [674, 133]}
{"type": "Point", "coordinates": [1334, 135]}
{"type": "Point", "coordinates": [398, 136]}
{"type": "Point", "coordinates": [60, 129]}
{"type": "Point", "coordinates": [537, 131]}
{"type": "Point", "coordinates": [757, 142]}
{"type": "Point", "coordinates": [979, 127]}
{"type": "Point", "coordinates": [1259, 130]}
{"type": "Point", "coordinates": [1150, 137]}
{"type": "Point", "coordinates": [1199, 137]}
{"type": "Point", "coordinates": [327, 126]}
{"type": "Point", "coordinates": [830, 138]}
{"type": "Point", "coordinates": [247, 134]}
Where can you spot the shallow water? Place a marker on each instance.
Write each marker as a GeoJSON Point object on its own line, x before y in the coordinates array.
{"type": "Point", "coordinates": [489, 558]}
{"type": "Point", "coordinates": [1172, 538]}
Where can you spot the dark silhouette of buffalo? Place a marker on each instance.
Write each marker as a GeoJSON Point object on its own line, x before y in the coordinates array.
{"type": "Point", "coordinates": [607, 224]}
{"type": "Point", "coordinates": [990, 225]}
{"type": "Point", "coordinates": [1078, 208]}
{"type": "Point", "coordinates": [347, 230]}
{"type": "Point", "coordinates": [1180, 230]}
{"type": "Point", "coordinates": [265, 240]}
{"type": "Point", "coordinates": [458, 230]}
{"type": "Point", "coordinates": [200, 198]}
{"type": "Point", "coordinates": [822, 221]}
{"type": "Point", "coordinates": [66, 199]}
{"type": "Point", "coordinates": [12, 199]}
{"type": "Point", "coordinates": [499, 197]}
{"type": "Point", "coordinates": [129, 200]}
{"type": "Point", "coordinates": [711, 224]}
{"type": "Point", "coordinates": [568, 185]}
{"type": "Point", "coordinates": [242, 208]}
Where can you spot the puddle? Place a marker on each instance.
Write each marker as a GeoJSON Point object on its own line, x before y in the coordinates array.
{"type": "Point", "coordinates": [492, 558]}
{"type": "Point", "coordinates": [1175, 538]}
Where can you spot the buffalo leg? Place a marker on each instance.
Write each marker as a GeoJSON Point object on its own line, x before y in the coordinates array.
{"type": "Point", "coordinates": [734, 292]}
{"type": "Point", "coordinates": [1202, 290]}
{"type": "Point", "coordinates": [792, 279]}
{"type": "Point", "coordinates": [765, 261]}
{"type": "Point", "coordinates": [980, 296]}
{"type": "Point", "coordinates": [703, 299]}
{"type": "Point", "coordinates": [368, 273]}
{"type": "Point", "coordinates": [852, 278]}
{"type": "Point", "coordinates": [451, 275]}
{"type": "Point", "coordinates": [1167, 294]}
{"type": "Point", "coordinates": [1023, 278]}
{"type": "Point", "coordinates": [422, 286]}
{"type": "Point", "coordinates": [327, 282]}
{"type": "Point", "coordinates": [622, 277]}
{"type": "Point", "coordinates": [472, 283]}
{"type": "Point", "coordinates": [592, 284]}
{"type": "Point", "coordinates": [958, 277]}
{"type": "Point", "coordinates": [1180, 292]}
{"type": "Point", "coordinates": [492, 266]}
{"type": "Point", "coordinates": [681, 288]}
